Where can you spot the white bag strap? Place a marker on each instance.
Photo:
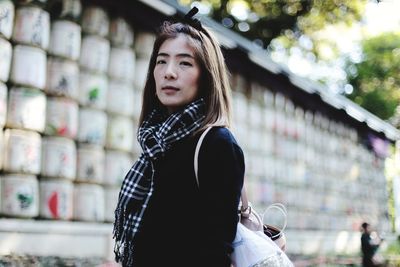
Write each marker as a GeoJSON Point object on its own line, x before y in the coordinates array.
{"type": "Point", "coordinates": [282, 209]}
{"type": "Point", "coordinates": [280, 205]}
{"type": "Point", "coordinates": [196, 154]}
{"type": "Point", "coordinates": [245, 203]}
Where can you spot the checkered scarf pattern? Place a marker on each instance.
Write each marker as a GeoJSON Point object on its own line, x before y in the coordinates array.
{"type": "Point", "coordinates": [156, 135]}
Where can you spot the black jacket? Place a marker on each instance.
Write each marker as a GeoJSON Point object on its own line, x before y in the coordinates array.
{"type": "Point", "coordinates": [185, 225]}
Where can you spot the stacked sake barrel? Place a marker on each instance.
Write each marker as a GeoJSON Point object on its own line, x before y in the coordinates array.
{"type": "Point", "coordinates": [89, 201]}
{"type": "Point", "coordinates": [26, 106]}
{"type": "Point", "coordinates": [143, 46]}
{"type": "Point", "coordinates": [73, 109]}
{"type": "Point", "coordinates": [303, 154]}
{"type": "Point", "coordinates": [6, 27]}
{"type": "Point", "coordinates": [121, 103]}
{"type": "Point", "coordinates": [59, 152]}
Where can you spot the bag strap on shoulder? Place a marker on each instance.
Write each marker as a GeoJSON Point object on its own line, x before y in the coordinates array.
{"type": "Point", "coordinates": [196, 154]}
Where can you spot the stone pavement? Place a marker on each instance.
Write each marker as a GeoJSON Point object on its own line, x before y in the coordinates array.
{"type": "Point", "coordinates": [49, 261]}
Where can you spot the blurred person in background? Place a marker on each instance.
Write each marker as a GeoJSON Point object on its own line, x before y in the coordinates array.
{"type": "Point", "coordinates": [163, 216]}
{"type": "Point", "coordinates": [369, 246]}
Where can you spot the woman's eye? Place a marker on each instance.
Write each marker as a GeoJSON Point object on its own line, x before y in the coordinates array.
{"type": "Point", "coordinates": [186, 63]}
{"type": "Point", "coordinates": [160, 61]}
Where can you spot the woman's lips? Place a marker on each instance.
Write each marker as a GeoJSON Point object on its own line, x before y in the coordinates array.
{"type": "Point", "coordinates": [170, 88]}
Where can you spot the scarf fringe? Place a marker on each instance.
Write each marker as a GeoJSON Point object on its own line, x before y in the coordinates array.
{"type": "Point", "coordinates": [123, 247]}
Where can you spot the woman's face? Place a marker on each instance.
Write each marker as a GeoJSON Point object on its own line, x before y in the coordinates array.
{"type": "Point", "coordinates": [176, 73]}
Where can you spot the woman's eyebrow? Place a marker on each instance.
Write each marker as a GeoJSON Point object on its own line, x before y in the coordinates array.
{"type": "Point", "coordinates": [178, 55]}
{"type": "Point", "coordinates": [162, 55]}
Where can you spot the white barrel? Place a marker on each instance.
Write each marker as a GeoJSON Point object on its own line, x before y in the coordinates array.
{"type": "Point", "coordinates": [62, 78]}
{"type": "Point", "coordinates": [7, 13]}
{"type": "Point", "coordinates": [65, 40]}
{"type": "Point", "coordinates": [111, 200]}
{"type": "Point", "coordinates": [26, 109]}
{"type": "Point", "coordinates": [122, 64]}
{"type": "Point", "coordinates": [28, 66]}
{"type": "Point", "coordinates": [118, 164]}
{"type": "Point", "coordinates": [62, 117]}
{"type": "Point", "coordinates": [1, 153]}
{"type": "Point", "coordinates": [59, 157]}
{"type": "Point", "coordinates": [92, 126]}
{"type": "Point", "coordinates": [56, 199]}
{"type": "Point", "coordinates": [40, 3]}
{"type": "Point", "coordinates": [5, 56]}
{"type": "Point", "coordinates": [32, 26]}
{"type": "Point", "coordinates": [93, 90]}
{"type": "Point", "coordinates": [121, 33]}
{"type": "Point", "coordinates": [22, 151]}
{"type": "Point", "coordinates": [138, 107]}
{"type": "Point", "coordinates": [3, 104]}
{"type": "Point", "coordinates": [91, 159]}
{"type": "Point", "coordinates": [144, 42]}
{"type": "Point", "coordinates": [137, 149]}
{"type": "Point", "coordinates": [95, 20]}
{"type": "Point", "coordinates": [88, 202]}
{"type": "Point", "coordinates": [65, 9]}
{"type": "Point", "coordinates": [120, 133]}
{"type": "Point", "coordinates": [141, 69]}
{"type": "Point", "coordinates": [20, 195]}
{"type": "Point", "coordinates": [121, 98]}
{"type": "Point", "coordinates": [95, 53]}
{"type": "Point", "coordinates": [71, 9]}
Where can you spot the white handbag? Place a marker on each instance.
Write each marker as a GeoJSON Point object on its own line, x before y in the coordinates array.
{"type": "Point", "coordinates": [252, 246]}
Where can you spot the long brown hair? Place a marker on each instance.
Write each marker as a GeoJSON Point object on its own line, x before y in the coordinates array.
{"type": "Point", "coordinates": [214, 84]}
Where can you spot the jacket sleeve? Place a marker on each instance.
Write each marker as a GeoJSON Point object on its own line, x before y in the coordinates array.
{"type": "Point", "coordinates": [221, 172]}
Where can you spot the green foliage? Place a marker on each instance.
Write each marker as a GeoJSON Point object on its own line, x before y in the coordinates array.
{"type": "Point", "coordinates": [286, 19]}
{"type": "Point", "coordinates": [392, 253]}
{"type": "Point", "coordinates": [376, 78]}
{"type": "Point", "coordinates": [393, 248]}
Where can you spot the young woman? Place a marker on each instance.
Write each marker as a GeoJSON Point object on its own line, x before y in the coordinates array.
{"type": "Point", "coordinates": [163, 216]}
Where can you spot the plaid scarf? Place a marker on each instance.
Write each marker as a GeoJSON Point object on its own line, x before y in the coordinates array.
{"type": "Point", "coordinates": [156, 135]}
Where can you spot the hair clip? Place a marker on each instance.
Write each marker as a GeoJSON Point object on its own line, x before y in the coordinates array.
{"type": "Point", "coordinates": [195, 23]}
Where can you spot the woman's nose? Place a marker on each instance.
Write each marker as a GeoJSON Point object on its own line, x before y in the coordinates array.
{"type": "Point", "coordinates": [170, 72]}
